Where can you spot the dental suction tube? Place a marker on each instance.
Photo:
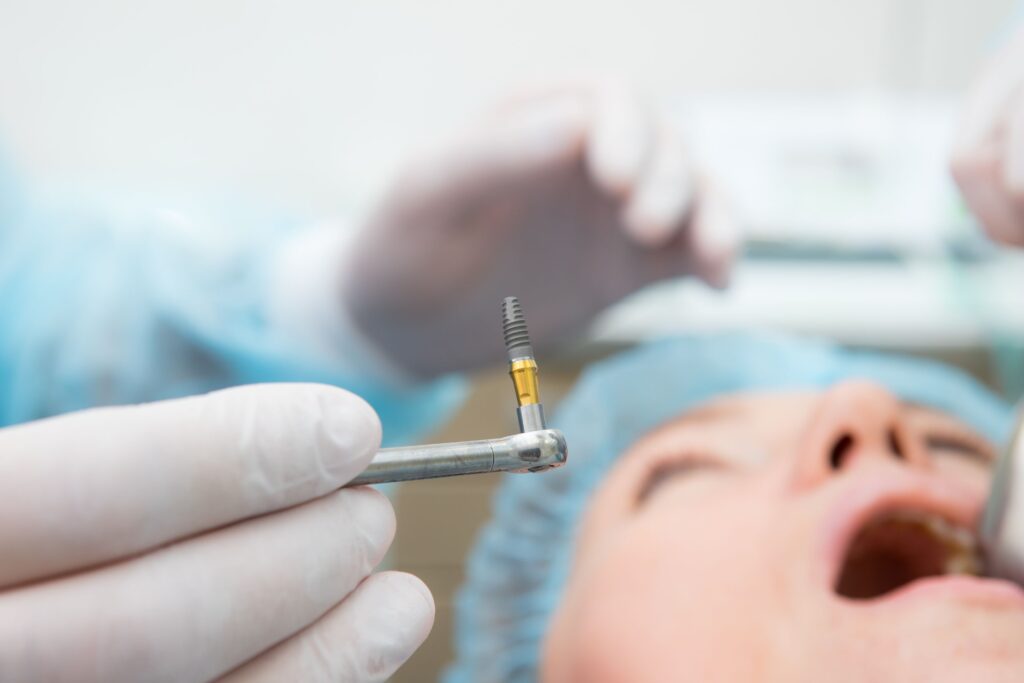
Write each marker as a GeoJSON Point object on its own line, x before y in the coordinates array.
{"type": "Point", "coordinates": [1002, 523]}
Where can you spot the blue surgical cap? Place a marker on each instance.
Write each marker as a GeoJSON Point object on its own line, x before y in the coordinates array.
{"type": "Point", "coordinates": [516, 572]}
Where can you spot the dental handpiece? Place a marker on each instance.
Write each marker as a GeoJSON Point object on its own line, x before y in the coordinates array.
{"type": "Point", "coordinates": [535, 449]}
{"type": "Point", "coordinates": [1002, 522]}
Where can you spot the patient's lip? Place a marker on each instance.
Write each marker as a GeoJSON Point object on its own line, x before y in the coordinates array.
{"type": "Point", "coordinates": [977, 590]}
{"type": "Point", "coordinates": [869, 493]}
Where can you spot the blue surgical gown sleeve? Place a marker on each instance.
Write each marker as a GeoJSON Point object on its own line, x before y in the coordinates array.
{"type": "Point", "coordinates": [121, 305]}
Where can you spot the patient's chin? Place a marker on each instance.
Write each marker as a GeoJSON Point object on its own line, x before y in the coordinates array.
{"type": "Point", "coordinates": [937, 640]}
{"type": "Point", "coordinates": [944, 642]}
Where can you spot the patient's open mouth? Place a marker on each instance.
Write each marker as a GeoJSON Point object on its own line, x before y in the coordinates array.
{"type": "Point", "coordinates": [897, 547]}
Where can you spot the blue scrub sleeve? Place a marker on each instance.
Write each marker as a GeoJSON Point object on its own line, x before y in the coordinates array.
{"type": "Point", "coordinates": [104, 306]}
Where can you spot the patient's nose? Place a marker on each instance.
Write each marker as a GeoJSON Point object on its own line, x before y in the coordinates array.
{"type": "Point", "coordinates": [856, 421]}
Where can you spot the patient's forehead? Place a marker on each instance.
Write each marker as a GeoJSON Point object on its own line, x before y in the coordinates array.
{"type": "Point", "coordinates": [745, 426]}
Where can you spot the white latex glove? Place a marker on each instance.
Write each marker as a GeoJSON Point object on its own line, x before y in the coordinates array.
{"type": "Point", "coordinates": [988, 155]}
{"type": "Point", "coordinates": [199, 538]}
{"type": "Point", "coordinates": [569, 199]}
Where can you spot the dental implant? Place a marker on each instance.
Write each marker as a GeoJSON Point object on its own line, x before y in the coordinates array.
{"type": "Point", "coordinates": [536, 449]}
{"type": "Point", "coordinates": [522, 366]}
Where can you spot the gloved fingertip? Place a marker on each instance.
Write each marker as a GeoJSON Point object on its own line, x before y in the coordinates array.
{"type": "Point", "coordinates": [612, 176]}
{"type": "Point", "coordinates": [351, 426]}
{"type": "Point", "coordinates": [718, 276]}
{"type": "Point", "coordinates": [412, 606]}
{"type": "Point", "coordinates": [716, 232]}
{"type": "Point", "coordinates": [721, 242]}
{"type": "Point", "coordinates": [1012, 155]}
{"type": "Point", "coordinates": [553, 131]}
{"type": "Point", "coordinates": [658, 212]}
{"type": "Point", "coordinates": [1013, 177]}
{"type": "Point", "coordinates": [413, 596]}
{"type": "Point", "coordinates": [396, 614]}
{"type": "Point", "coordinates": [715, 241]}
{"type": "Point", "coordinates": [620, 140]}
{"type": "Point", "coordinates": [368, 510]}
{"type": "Point", "coordinates": [646, 228]}
{"type": "Point", "coordinates": [366, 637]}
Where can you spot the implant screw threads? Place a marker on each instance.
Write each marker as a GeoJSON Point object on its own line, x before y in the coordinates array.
{"type": "Point", "coordinates": [513, 324]}
{"type": "Point", "coordinates": [522, 366]}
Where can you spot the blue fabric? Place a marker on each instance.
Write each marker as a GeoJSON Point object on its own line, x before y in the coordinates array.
{"type": "Point", "coordinates": [517, 570]}
{"type": "Point", "coordinates": [121, 305]}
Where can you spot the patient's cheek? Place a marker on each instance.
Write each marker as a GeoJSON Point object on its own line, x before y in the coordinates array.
{"type": "Point", "coordinates": [676, 582]}
{"type": "Point", "coordinates": [974, 475]}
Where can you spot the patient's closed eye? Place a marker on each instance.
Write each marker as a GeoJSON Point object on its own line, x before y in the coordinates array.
{"type": "Point", "coordinates": [675, 468]}
{"type": "Point", "coordinates": [941, 444]}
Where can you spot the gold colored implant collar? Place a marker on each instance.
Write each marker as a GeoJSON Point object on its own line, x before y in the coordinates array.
{"type": "Point", "coordinates": [524, 378]}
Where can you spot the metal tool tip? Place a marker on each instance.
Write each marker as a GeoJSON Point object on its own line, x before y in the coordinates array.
{"type": "Point", "coordinates": [517, 337]}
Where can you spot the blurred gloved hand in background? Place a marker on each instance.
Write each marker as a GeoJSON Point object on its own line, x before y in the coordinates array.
{"type": "Point", "coordinates": [201, 537]}
{"type": "Point", "coordinates": [570, 198]}
{"type": "Point", "coordinates": [988, 154]}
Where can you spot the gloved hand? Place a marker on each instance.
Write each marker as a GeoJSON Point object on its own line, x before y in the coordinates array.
{"type": "Point", "coordinates": [569, 199]}
{"type": "Point", "coordinates": [988, 154]}
{"type": "Point", "coordinates": [199, 538]}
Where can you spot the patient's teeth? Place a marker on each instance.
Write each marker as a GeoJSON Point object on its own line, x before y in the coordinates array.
{"type": "Point", "coordinates": [963, 563]}
{"type": "Point", "coordinates": [961, 546]}
{"type": "Point", "coordinates": [899, 546]}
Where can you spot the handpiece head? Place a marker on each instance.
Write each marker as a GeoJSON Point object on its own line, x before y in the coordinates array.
{"type": "Point", "coordinates": [536, 451]}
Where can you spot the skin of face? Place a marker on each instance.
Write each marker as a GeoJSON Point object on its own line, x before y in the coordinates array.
{"type": "Point", "coordinates": [711, 550]}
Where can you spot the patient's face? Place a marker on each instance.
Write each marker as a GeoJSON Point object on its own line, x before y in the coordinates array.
{"type": "Point", "coordinates": [790, 537]}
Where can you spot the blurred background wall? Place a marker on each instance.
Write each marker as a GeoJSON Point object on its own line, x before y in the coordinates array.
{"type": "Point", "coordinates": [312, 102]}
{"type": "Point", "coordinates": [310, 105]}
